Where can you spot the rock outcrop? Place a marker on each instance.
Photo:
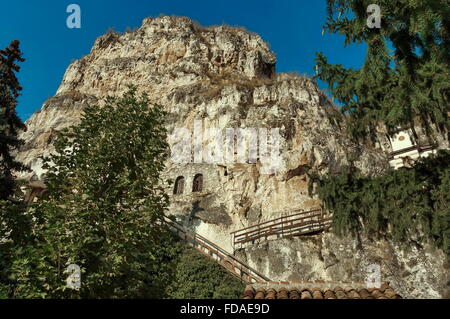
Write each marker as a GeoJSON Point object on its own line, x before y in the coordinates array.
{"type": "Point", "coordinates": [222, 77]}
{"type": "Point", "coordinates": [415, 272]}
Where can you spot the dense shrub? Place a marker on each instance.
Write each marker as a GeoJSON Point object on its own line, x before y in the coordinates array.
{"type": "Point", "coordinates": [197, 277]}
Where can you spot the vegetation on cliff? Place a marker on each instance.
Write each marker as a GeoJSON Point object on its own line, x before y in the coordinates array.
{"type": "Point", "coordinates": [104, 209]}
{"type": "Point", "coordinates": [408, 205]}
{"type": "Point", "coordinates": [10, 123]}
{"type": "Point", "coordinates": [392, 87]}
{"type": "Point", "coordinates": [13, 222]}
{"type": "Point", "coordinates": [197, 277]}
{"type": "Point", "coordinates": [104, 212]}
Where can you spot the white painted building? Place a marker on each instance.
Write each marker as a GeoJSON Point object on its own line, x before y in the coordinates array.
{"type": "Point", "coordinates": [405, 150]}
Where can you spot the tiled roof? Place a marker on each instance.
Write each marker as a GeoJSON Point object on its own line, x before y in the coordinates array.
{"type": "Point", "coordinates": [318, 290]}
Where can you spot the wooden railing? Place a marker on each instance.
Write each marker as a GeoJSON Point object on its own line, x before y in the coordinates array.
{"type": "Point", "coordinates": [221, 256]}
{"type": "Point", "coordinates": [295, 224]}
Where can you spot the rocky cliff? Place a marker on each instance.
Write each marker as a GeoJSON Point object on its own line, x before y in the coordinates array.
{"type": "Point", "coordinates": [224, 77]}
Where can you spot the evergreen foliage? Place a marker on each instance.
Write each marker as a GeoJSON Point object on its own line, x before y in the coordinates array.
{"type": "Point", "coordinates": [15, 225]}
{"type": "Point", "coordinates": [409, 204]}
{"type": "Point", "coordinates": [10, 123]}
{"type": "Point", "coordinates": [395, 88]}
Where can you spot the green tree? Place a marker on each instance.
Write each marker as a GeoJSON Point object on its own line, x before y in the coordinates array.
{"type": "Point", "coordinates": [409, 204]}
{"type": "Point", "coordinates": [10, 123]}
{"type": "Point", "coordinates": [398, 88]}
{"type": "Point", "coordinates": [14, 223]}
{"type": "Point", "coordinates": [105, 208]}
{"type": "Point", "coordinates": [197, 277]}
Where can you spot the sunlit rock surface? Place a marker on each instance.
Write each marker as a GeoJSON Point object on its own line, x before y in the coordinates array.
{"type": "Point", "coordinates": [225, 77]}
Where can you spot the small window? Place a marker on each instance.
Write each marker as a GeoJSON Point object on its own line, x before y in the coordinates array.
{"type": "Point", "coordinates": [197, 185]}
{"type": "Point", "coordinates": [179, 186]}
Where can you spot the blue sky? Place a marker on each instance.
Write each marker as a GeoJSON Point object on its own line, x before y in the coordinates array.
{"type": "Point", "coordinates": [293, 28]}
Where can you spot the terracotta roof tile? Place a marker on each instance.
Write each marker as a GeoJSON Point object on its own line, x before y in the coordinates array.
{"type": "Point", "coordinates": [249, 292]}
{"type": "Point", "coordinates": [271, 294]}
{"type": "Point", "coordinates": [365, 294]}
{"type": "Point", "coordinates": [390, 293]}
{"type": "Point", "coordinates": [317, 294]}
{"type": "Point", "coordinates": [377, 293]}
{"type": "Point", "coordinates": [306, 294]}
{"type": "Point", "coordinates": [260, 293]}
{"type": "Point", "coordinates": [294, 294]}
{"type": "Point", "coordinates": [329, 294]}
{"type": "Point", "coordinates": [318, 290]}
{"type": "Point", "coordinates": [352, 294]}
{"type": "Point", "coordinates": [283, 293]}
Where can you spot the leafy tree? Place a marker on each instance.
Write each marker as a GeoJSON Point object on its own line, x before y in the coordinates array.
{"type": "Point", "coordinates": [397, 89]}
{"type": "Point", "coordinates": [105, 208]}
{"type": "Point", "coordinates": [197, 277]}
{"type": "Point", "coordinates": [10, 123]}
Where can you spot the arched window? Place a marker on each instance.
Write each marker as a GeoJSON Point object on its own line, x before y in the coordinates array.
{"type": "Point", "coordinates": [179, 186]}
{"type": "Point", "coordinates": [197, 185]}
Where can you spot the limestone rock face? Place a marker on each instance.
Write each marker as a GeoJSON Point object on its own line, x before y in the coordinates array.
{"type": "Point", "coordinates": [57, 113]}
{"type": "Point", "coordinates": [415, 272]}
{"type": "Point", "coordinates": [221, 77]}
